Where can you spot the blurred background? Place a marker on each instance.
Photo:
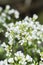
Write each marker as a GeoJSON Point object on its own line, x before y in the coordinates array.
{"type": "Point", "coordinates": [26, 7]}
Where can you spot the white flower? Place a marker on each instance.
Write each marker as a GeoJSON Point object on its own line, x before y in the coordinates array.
{"type": "Point", "coordinates": [16, 14]}
{"type": "Point", "coordinates": [11, 60]}
{"type": "Point", "coordinates": [22, 42]}
{"type": "Point", "coordinates": [19, 55]}
{"type": "Point", "coordinates": [7, 7]}
{"type": "Point", "coordinates": [28, 58]}
{"type": "Point", "coordinates": [11, 24]}
{"type": "Point", "coordinates": [6, 34]}
{"type": "Point", "coordinates": [35, 16]}
{"type": "Point", "coordinates": [4, 62]}
{"type": "Point", "coordinates": [41, 58]}
{"type": "Point", "coordinates": [8, 54]}
{"type": "Point", "coordinates": [1, 63]}
{"type": "Point", "coordinates": [3, 15]}
{"type": "Point", "coordinates": [16, 59]}
{"type": "Point", "coordinates": [39, 42]}
{"type": "Point", "coordinates": [32, 64]}
{"type": "Point", "coordinates": [23, 62]}
{"type": "Point", "coordinates": [5, 25]}
{"type": "Point", "coordinates": [26, 18]}
{"type": "Point", "coordinates": [25, 31]}
{"type": "Point", "coordinates": [22, 59]}
{"type": "Point", "coordinates": [11, 11]}
{"type": "Point", "coordinates": [41, 63]}
{"type": "Point", "coordinates": [10, 42]}
{"type": "Point", "coordinates": [4, 45]}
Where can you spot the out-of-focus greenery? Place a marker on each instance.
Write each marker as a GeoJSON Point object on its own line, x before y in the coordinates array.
{"type": "Point", "coordinates": [40, 18]}
{"type": "Point", "coordinates": [20, 41]}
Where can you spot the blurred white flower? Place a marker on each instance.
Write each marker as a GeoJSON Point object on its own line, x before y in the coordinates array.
{"type": "Point", "coordinates": [16, 14]}
{"type": "Point", "coordinates": [12, 11]}
{"type": "Point", "coordinates": [41, 63]}
{"type": "Point", "coordinates": [1, 63]}
{"type": "Point", "coordinates": [4, 62]}
{"type": "Point", "coordinates": [7, 7]}
{"type": "Point", "coordinates": [11, 60]}
{"type": "Point", "coordinates": [28, 58]}
{"type": "Point", "coordinates": [3, 15]}
{"type": "Point", "coordinates": [35, 17]}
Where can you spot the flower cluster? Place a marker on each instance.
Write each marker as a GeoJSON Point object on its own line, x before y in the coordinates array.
{"type": "Point", "coordinates": [25, 31]}
{"type": "Point", "coordinates": [23, 39]}
{"type": "Point", "coordinates": [7, 15]}
{"type": "Point", "coordinates": [19, 56]}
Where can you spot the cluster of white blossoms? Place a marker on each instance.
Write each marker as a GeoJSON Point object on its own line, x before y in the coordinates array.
{"type": "Point", "coordinates": [4, 62]}
{"type": "Point", "coordinates": [6, 14]}
{"type": "Point", "coordinates": [19, 56]}
{"type": "Point", "coordinates": [7, 61]}
{"type": "Point", "coordinates": [27, 34]}
{"type": "Point", "coordinates": [25, 31]}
